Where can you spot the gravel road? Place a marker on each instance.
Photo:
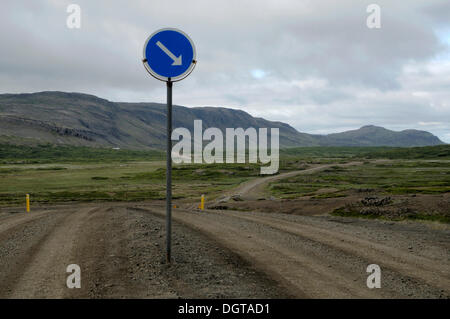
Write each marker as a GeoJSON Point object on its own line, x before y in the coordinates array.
{"type": "Point", "coordinates": [254, 188]}
{"type": "Point", "coordinates": [216, 254]}
{"type": "Point", "coordinates": [120, 251]}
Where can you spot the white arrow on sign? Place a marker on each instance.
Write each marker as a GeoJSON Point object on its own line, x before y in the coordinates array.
{"type": "Point", "coordinates": [176, 61]}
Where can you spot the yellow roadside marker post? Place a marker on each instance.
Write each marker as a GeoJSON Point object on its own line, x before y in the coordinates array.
{"type": "Point", "coordinates": [202, 202]}
{"type": "Point", "coordinates": [28, 203]}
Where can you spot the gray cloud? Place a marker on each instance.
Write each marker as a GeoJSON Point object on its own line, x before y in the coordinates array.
{"type": "Point", "coordinates": [313, 64]}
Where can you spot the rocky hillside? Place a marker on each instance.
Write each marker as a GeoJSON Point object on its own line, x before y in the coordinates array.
{"type": "Point", "coordinates": [81, 119]}
{"type": "Point", "coordinates": [371, 135]}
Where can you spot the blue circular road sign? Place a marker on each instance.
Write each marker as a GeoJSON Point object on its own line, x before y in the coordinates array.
{"type": "Point", "coordinates": [169, 55]}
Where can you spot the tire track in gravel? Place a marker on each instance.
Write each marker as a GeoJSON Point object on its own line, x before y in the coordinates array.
{"type": "Point", "coordinates": [18, 244]}
{"type": "Point", "coordinates": [301, 274]}
{"type": "Point", "coordinates": [14, 221]}
{"type": "Point", "coordinates": [326, 264]}
{"type": "Point", "coordinates": [430, 271]}
{"type": "Point", "coordinates": [42, 274]}
{"type": "Point", "coordinates": [102, 252]}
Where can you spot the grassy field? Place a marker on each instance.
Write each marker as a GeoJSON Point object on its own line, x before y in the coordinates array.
{"type": "Point", "coordinates": [115, 181]}
{"type": "Point", "coordinates": [394, 190]}
{"type": "Point", "coordinates": [397, 177]}
{"type": "Point", "coordinates": [47, 153]}
{"type": "Point", "coordinates": [52, 174]}
{"type": "Point", "coordinates": [342, 154]}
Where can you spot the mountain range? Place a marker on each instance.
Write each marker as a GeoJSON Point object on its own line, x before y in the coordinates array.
{"type": "Point", "coordinates": [82, 119]}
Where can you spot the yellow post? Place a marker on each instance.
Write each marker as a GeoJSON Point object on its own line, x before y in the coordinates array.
{"type": "Point", "coordinates": [28, 203]}
{"type": "Point", "coordinates": [202, 203]}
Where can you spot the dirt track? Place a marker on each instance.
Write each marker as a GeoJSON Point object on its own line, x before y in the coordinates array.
{"type": "Point", "coordinates": [120, 249]}
{"type": "Point", "coordinates": [121, 254]}
{"type": "Point", "coordinates": [254, 188]}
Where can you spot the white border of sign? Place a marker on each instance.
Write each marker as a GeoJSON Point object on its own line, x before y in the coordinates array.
{"type": "Point", "coordinates": [164, 78]}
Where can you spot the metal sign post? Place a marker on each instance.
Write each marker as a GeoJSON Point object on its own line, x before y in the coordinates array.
{"type": "Point", "coordinates": [169, 173]}
{"type": "Point", "coordinates": [169, 55]}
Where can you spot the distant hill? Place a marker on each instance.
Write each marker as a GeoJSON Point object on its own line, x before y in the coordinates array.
{"type": "Point", "coordinates": [81, 119]}
{"type": "Point", "coordinates": [371, 135]}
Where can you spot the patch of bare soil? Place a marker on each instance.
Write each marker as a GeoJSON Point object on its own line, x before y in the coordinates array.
{"type": "Point", "coordinates": [301, 206]}
{"type": "Point", "coordinates": [417, 206]}
{"type": "Point", "coordinates": [368, 202]}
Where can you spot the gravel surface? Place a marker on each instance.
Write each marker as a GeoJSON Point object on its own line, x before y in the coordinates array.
{"type": "Point", "coordinates": [120, 248]}
{"type": "Point", "coordinates": [327, 256]}
{"type": "Point", "coordinates": [121, 253]}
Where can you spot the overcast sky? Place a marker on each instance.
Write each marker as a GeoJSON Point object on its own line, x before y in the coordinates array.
{"type": "Point", "coordinates": [313, 64]}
